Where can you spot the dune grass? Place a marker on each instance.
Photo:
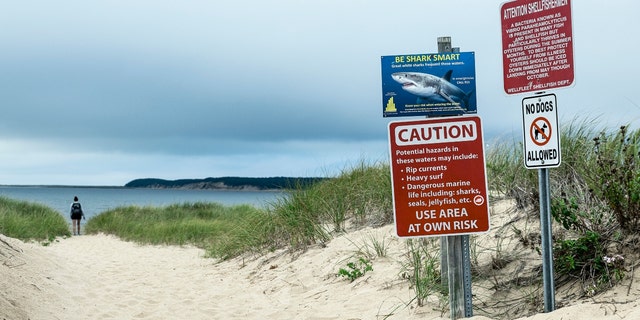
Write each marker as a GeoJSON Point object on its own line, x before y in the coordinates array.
{"type": "Point", "coordinates": [361, 196]}
{"type": "Point", "coordinates": [206, 225]}
{"type": "Point", "coordinates": [31, 221]}
{"type": "Point", "coordinates": [302, 217]}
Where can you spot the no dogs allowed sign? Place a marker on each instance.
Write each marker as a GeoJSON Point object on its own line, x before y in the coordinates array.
{"type": "Point", "coordinates": [541, 134]}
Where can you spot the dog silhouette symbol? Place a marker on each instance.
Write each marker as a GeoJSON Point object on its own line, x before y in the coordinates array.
{"type": "Point", "coordinates": [537, 131]}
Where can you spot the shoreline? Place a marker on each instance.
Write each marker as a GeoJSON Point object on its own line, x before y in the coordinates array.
{"type": "Point", "coordinates": [241, 189]}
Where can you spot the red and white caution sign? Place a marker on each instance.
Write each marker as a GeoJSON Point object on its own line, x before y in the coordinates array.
{"type": "Point", "coordinates": [541, 134]}
{"type": "Point", "coordinates": [439, 181]}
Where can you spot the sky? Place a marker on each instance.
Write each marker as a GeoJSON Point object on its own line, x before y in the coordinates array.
{"type": "Point", "coordinates": [104, 92]}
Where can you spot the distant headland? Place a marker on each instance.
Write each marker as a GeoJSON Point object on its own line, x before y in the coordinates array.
{"type": "Point", "coordinates": [226, 183]}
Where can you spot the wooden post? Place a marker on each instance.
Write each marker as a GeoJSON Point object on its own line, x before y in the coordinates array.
{"type": "Point", "coordinates": [456, 284]}
{"type": "Point", "coordinates": [455, 263]}
{"type": "Point", "coordinates": [444, 45]}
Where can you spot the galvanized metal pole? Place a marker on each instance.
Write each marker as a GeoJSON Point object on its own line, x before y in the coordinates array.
{"type": "Point", "coordinates": [466, 276]}
{"type": "Point", "coordinates": [547, 249]}
{"type": "Point", "coordinates": [459, 265]}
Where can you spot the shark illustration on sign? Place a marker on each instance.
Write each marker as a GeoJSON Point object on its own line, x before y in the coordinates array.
{"type": "Point", "coordinates": [429, 84]}
{"type": "Point", "coordinates": [432, 89]}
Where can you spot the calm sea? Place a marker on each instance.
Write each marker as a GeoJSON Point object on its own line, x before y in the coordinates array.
{"type": "Point", "coordinates": [95, 200]}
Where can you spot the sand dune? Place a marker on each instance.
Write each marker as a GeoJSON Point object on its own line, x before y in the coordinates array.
{"type": "Point", "coordinates": [102, 277]}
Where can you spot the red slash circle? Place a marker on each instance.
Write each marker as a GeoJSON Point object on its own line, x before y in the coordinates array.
{"type": "Point", "coordinates": [540, 135]}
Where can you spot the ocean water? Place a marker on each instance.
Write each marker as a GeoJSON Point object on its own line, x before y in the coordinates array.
{"type": "Point", "coordinates": [95, 200]}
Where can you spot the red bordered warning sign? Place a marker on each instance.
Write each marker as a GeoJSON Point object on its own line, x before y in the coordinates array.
{"type": "Point", "coordinates": [439, 181]}
{"type": "Point", "coordinates": [537, 45]}
{"type": "Point", "coordinates": [541, 138]}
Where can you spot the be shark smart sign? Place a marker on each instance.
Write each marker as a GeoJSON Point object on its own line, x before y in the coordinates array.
{"type": "Point", "coordinates": [439, 182]}
{"type": "Point", "coordinates": [434, 84]}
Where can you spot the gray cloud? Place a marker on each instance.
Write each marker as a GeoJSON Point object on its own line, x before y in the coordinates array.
{"type": "Point", "coordinates": [296, 85]}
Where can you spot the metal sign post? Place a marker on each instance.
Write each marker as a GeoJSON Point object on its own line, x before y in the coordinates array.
{"type": "Point", "coordinates": [547, 249]}
{"type": "Point", "coordinates": [537, 54]}
{"type": "Point", "coordinates": [542, 151]}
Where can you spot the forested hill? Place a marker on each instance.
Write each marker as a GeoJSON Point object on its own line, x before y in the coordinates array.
{"type": "Point", "coordinates": [227, 183]}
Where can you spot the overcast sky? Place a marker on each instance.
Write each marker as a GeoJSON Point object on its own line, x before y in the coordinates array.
{"type": "Point", "coordinates": [103, 92]}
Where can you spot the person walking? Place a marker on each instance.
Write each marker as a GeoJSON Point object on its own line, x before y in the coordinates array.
{"type": "Point", "coordinates": [76, 215]}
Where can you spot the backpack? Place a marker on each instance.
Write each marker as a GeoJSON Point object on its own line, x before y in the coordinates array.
{"type": "Point", "coordinates": [76, 208]}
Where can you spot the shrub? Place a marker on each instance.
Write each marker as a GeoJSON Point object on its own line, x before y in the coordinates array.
{"type": "Point", "coordinates": [616, 176]}
{"type": "Point", "coordinates": [579, 253]}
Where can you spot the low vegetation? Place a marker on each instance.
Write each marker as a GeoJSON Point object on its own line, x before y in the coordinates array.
{"type": "Point", "coordinates": [206, 225]}
{"type": "Point", "coordinates": [595, 200]}
{"type": "Point", "coordinates": [355, 270]}
{"type": "Point", "coordinates": [30, 221]}
{"type": "Point", "coordinates": [595, 206]}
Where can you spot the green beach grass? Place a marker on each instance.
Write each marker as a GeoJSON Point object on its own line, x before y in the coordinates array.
{"type": "Point", "coordinates": [30, 221]}
{"type": "Point", "coordinates": [304, 216]}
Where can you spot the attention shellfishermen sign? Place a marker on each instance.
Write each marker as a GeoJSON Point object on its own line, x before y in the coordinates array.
{"type": "Point", "coordinates": [438, 177]}
{"type": "Point", "coordinates": [537, 45]}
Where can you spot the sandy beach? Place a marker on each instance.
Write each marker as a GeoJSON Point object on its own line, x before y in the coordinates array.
{"type": "Point", "coordinates": [102, 277]}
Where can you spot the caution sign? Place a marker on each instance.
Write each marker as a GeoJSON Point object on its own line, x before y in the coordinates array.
{"type": "Point", "coordinates": [438, 177]}
{"type": "Point", "coordinates": [541, 134]}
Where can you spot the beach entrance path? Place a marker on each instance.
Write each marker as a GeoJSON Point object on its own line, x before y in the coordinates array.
{"type": "Point", "coordinates": [103, 277]}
